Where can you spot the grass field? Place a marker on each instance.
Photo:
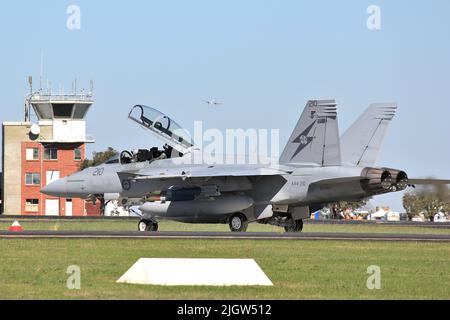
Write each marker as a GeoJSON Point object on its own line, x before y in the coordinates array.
{"type": "Point", "coordinates": [131, 225]}
{"type": "Point", "coordinates": [36, 269]}
{"type": "Point", "coordinates": [31, 269]}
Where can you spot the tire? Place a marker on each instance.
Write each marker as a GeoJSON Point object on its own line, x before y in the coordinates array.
{"type": "Point", "coordinates": [296, 226]}
{"type": "Point", "coordinates": [238, 222]}
{"type": "Point", "coordinates": [147, 225]}
{"type": "Point", "coordinates": [153, 227]}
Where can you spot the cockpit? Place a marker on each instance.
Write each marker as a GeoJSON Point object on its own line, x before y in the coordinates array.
{"type": "Point", "coordinates": [162, 126]}
{"type": "Point", "coordinates": [177, 140]}
{"type": "Point", "coordinates": [143, 155]}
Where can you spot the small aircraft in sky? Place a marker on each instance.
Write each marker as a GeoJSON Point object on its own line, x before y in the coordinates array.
{"type": "Point", "coordinates": [212, 102]}
{"type": "Point", "coordinates": [317, 167]}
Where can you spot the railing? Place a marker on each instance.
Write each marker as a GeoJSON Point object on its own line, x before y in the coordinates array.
{"type": "Point", "coordinates": [61, 97]}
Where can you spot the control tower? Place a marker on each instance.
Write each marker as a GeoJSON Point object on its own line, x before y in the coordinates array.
{"type": "Point", "coordinates": [50, 143]}
{"type": "Point", "coordinates": [65, 113]}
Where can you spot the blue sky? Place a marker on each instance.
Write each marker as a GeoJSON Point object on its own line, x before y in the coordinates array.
{"type": "Point", "coordinates": [264, 59]}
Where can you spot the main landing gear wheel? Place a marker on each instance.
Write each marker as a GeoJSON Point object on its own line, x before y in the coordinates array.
{"type": "Point", "coordinates": [147, 225]}
{"type": "Point", "coordinates": [238, 222]}
{"type": "Point", "coordinates": [294, 226]}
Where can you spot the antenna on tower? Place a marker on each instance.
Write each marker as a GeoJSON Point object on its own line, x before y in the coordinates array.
{"type": "Point", "coordinates": [30, 82]}
{"type": "Point", "coordinates": [27, 107]}
{"type": "Point", "coordinates": [42, 70]}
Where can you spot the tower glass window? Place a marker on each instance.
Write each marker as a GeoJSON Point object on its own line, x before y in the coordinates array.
{"type": "Point", "coordinates": [62, 110]}
{"type": "Point", "coordinates": [44, 111]}
{"type": "Point", "coordinates": [80, 111]}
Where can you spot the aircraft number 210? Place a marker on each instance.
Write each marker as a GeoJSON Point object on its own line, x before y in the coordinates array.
{"type": "Point", "coordinates": [98, 171]}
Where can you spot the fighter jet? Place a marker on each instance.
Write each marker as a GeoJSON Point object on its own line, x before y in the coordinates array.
{"type": "Point", "coordinates": [212, 102]}
{"type": "Point", "coordinates": [312, 172]}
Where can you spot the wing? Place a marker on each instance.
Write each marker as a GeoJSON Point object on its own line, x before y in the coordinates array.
{"type": "Point", "coordinates": [205, 172]}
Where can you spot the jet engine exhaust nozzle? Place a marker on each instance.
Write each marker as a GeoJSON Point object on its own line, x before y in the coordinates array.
{"type": "Point", "coordinates": [400, 178]}
{"type": "Point", "coordinates": [383, 180]}
{"type": "Point", "coordinates": [377, 181]}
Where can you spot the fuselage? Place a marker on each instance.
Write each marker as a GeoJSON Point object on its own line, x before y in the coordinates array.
{"type": "Point", "coordinates": [298, 187]}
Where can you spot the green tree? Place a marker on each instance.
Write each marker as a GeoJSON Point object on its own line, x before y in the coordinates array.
{"type": "Point", "coordinates": [342, 206]}
{"type": "Point", "coordinates": [427, 200]}
{"type": "Point", "coordinates": [98, 158]}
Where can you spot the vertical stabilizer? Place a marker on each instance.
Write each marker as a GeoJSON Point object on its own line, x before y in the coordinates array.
{"type": "Point", "coordinates": [362, 142]}
{"type": "Point", "coordinates": [315, 139]}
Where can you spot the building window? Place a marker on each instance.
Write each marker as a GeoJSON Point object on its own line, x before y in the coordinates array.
{"type": "Point", "coordinates": [77, 154]}
{"type": "Point", "coordinates": [32, 154]}
{"type": "Point", "coordinates": [32, 205]}
{"type": "Point", "coordinates": [32, 179]}
{"type": "Point", "coordinates": [50, 154]}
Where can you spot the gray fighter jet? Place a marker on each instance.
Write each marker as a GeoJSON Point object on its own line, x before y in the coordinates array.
{"type": "Point", "coordinates": [316, 168]}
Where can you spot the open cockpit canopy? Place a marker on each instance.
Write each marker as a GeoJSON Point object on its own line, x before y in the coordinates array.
{"type": "Point", "coordinates": [162, 126]}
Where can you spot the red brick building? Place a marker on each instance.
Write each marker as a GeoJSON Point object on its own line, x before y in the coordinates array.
{"type": "Point", "coordinates": [51, 162]}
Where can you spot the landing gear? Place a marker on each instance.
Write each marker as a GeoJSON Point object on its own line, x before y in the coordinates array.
{"type": "Point", "coordinates": [238, 222]}
{"type": "Point", "coordinates": [147, 225]}
{"type": "Point", "coordinates": [294, 225]}
{"type": "Point", "coordinates": [284, 221]}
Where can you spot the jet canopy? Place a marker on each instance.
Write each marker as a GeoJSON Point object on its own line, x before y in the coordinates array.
{"type": "Point", "coordinates": [162, 126]}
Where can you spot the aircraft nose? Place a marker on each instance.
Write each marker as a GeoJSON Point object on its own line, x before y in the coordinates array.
{"type": "Point", "coordinates": [56, 188]}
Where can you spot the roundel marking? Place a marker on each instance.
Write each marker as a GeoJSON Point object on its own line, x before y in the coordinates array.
{"type": "Point", "coordinates": [126, 184]}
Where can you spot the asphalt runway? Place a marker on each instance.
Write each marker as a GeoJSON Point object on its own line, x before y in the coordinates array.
{"type": "Point", "coordinates": [225, 236]}
{"type": "Point", "coordinates": [438, 225]}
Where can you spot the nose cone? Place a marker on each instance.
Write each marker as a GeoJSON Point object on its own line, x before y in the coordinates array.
{"type": "Point", "coordinates": [56, 189]}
